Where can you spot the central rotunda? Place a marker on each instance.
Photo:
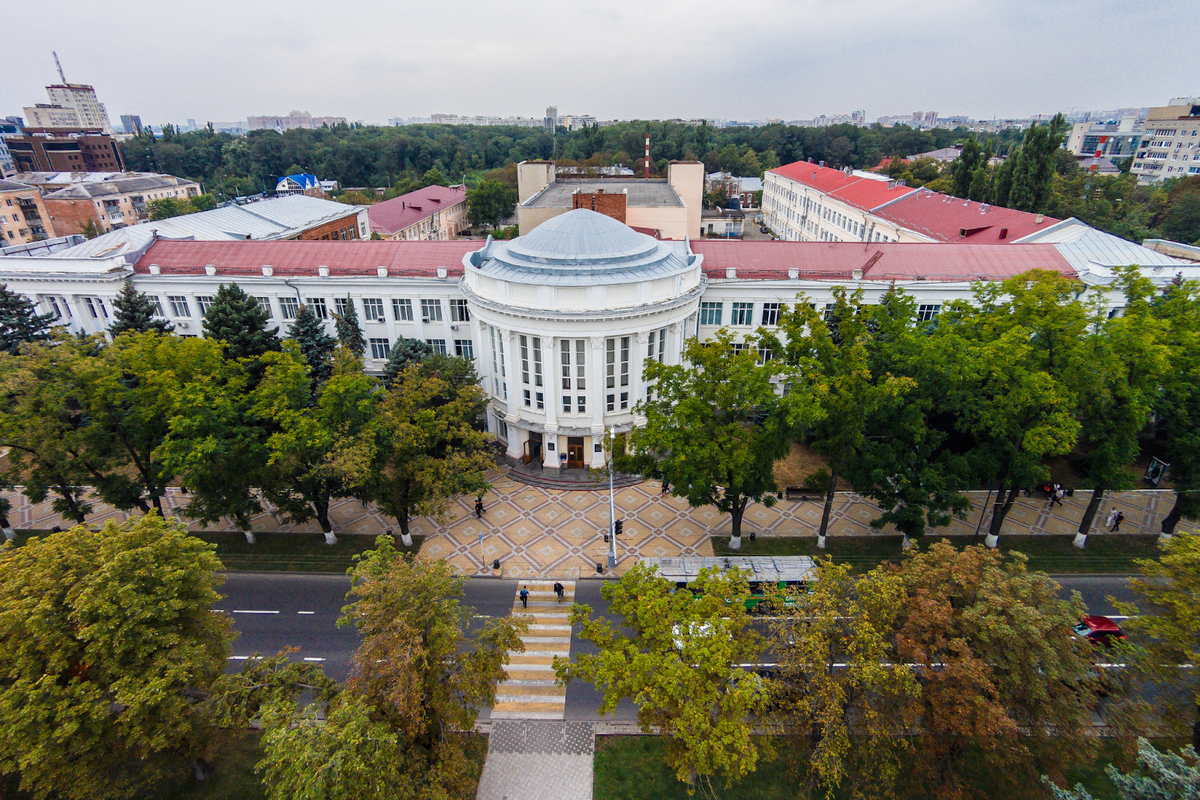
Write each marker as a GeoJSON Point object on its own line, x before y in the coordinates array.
{"type": "Point", "coordinates": [568, 313]}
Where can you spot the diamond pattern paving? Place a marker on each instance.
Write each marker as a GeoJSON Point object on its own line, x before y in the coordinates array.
{"type": "Point", "coordinates": [547, 533]}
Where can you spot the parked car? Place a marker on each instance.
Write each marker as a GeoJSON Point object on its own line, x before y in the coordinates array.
{"type": "Point", "coordinates": [1099, 630]}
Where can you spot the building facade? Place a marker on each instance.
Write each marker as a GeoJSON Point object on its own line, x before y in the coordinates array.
{"type": "Point", "coordinates": [23, 215]}
{"type": "Point", "coordinates": [82, 98]}
{"type": "Point", "coordinates": [432, 214]}
{"type": "Point", "coordinates": [114, 203]}
{"type": "Point", "coordinates": [292, 121]}
{"type": "Point", "coordinates": [560, 322]}
{"type": "Point", "coordinates": [1114, 140]}
{"type": "Point", "coordinates": [1170, 146]}
{"type": "Point", "coordinates": [45, 150]}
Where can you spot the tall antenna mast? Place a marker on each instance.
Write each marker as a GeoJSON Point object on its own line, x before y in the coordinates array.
{"type": "Point", "coordinates": [60, 72]}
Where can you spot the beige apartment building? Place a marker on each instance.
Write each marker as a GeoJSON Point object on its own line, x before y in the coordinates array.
{"type": "Point", "coordinates": [670, 207]}
{"type": "Point", "coordinates": [1170, 144]}
{"type": "Point", "coordinates": [23, 216]}
{"type": "Point", "coordinates": [115, 203]}
{"type": "Point", "coordinates": [432, 214]}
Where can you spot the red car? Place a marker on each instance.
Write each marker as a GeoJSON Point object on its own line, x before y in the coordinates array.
{"type": "Point", "coordinates": [1099, 630]}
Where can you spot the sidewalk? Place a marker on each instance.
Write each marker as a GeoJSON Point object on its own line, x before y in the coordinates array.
{"type": "Point", "coordinates": [544, 533]}
{"type": "Point", "coordinates": [538, 761]}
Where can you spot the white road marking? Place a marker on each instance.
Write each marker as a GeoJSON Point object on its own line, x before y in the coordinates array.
{"type": "Point", "coordinates": [306, 613]}
{"type": "Point", "coordinates": [245, 658]}
{"type": "Point", "coordinates": [243, 611]}
{"type": "Point", "coordinates": [314, 659]}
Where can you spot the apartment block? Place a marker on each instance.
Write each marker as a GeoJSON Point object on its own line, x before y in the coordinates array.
{"type": "Point", "coordinates": [23, 216]}
{"type": "Point", "coordinates": [1170, 147]}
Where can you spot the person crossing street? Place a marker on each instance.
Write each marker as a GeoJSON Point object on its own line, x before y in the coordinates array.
{"type": "Point", "coordinates": [559, 590]}
{"type": "Point", "coordinates": [524, 597]}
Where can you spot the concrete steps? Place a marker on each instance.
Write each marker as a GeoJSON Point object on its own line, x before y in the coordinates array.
{"type": "Point", "coordinates": [530, 691]}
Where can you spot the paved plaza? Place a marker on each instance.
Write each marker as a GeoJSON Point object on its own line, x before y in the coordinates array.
{"type": "Point", "coordinates": [548, 533]}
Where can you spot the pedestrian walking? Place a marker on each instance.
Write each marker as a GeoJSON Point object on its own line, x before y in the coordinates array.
{"type": "Point", "coordinates": [478, 508]}
{"type": "Point", "coordinates": [559, 590]}
{"type": "Point", "coordinates": [666, 486]}
{"type": "Point", "coordinates": [1112, 518]}
{"type": "Point", "coordinates": [1058, 495]}
{"type": "Point", "coordinates": [1117, 520]}
{"type": "Point", "coordinates": [525, 597]}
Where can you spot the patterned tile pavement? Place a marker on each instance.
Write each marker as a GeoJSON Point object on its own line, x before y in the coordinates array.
{"type": "Point", "coordinates": [538, 761]}
{"type": "Point", "coordinates": [544, 533]}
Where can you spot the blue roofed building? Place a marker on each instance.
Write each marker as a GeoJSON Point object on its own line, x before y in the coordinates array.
{"type": "Point", "coordinates": [300, 183]}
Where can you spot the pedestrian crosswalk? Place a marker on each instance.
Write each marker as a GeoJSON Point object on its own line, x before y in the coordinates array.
{"type": "Point", "coordinates": [530, 692]}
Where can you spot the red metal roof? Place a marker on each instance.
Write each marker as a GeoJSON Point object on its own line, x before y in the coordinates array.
{"type": "Point", "coordinates": [405, 259]}
{"type": "Point", "coordinates": [854, 190]}
{"type": "Point", "coordinates": [396, 214]}
{"type": "Point", "coordinates": [951, 219]}
{"type": "Point", "coordinates": [878, 261]}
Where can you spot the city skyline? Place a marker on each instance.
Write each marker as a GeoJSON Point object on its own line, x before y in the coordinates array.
{"type": "Point", "coordinates": [659, 60]}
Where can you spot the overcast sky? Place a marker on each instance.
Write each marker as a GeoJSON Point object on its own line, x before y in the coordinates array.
{"type": "Point", "coordinates": [372, 59]}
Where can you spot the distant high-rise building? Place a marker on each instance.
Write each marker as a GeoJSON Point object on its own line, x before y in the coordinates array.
{"type": "Point", "coordinates": [131, 123]}
{"type": "Point", "coordinates": [296, 119]}
{"type": "Point", "coordinates": [551, 117]}
{"type": "Point", "coordinates": [82, 98]}
{"type": "Point", "coordinates": [1167, 148]}
{"type": "Point", "coordinates": [191, 124]}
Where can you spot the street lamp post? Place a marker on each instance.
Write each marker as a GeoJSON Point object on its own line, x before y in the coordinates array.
{"type": "Point", "coordinates": [612, 508]}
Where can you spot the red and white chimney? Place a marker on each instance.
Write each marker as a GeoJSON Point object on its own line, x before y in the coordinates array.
{"type": "Point", "coordinates": [647, 155]}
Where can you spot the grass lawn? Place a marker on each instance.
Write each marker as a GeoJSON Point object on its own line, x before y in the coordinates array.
{"type": "Point", "coordinates": [283, 552]}
{"type": "Point", "coordinates": [633, 767]}
{"type": "Point", "coordinates": [1053, 554]}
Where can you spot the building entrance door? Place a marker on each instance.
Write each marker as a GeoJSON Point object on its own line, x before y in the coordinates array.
{"type": "Point", "coordinates": [533, 448]}
{"type": "Point", "coordinates": [574, 451]}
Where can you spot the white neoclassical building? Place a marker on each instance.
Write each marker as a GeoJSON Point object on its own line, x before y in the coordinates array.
{"type": "Point", "coordinates": [559, 322]}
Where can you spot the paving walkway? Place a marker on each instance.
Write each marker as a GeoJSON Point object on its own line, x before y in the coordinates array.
{"type": "Point", "coordinates": [538, 761]}
{"type": "Point", "coordinates": [537, 532]}
{"type": "Point", "coordinates": [530, 691]}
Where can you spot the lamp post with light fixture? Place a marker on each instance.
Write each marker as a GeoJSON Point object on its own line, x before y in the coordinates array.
{"type": "Point", "coordinates": [612, 508]}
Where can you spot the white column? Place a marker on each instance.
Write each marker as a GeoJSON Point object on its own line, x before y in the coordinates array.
{"type": "Point", "coordinates": [637, 368]}
{"type": "Point", "coordinates": [551, 388]}
{"type": "Point", "coordinates": [515, 435]}
{"type": "Point", "coordinates": [596, 394]}
{"type": "Point", "coordinates": [675, 335]}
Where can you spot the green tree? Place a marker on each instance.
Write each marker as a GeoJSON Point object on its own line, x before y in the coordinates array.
{"type": "Point", "coordinates": [345, 755]}
{"type": "Point", "coordinates": [1124, 361]}
{"type": "Point", "coordinates": [312, 435]}
{"type": "Point", "coordinates": [43, 427]}
{"type": "Point", "coordinates": [679, 664]}
{"type": "Point", "coordinates": [349, 330]}
{"type": "Point", "coordinates": [167, 207]}
{"type": "Point", "coordinates": [842, 694]}
{"type": "Point", "coordinates": [316, 344]}
{"type": "Point", "coordinates": [419, 673]}
{"type": "Point", "coordinates": [423, 447]}
{"type": "Point", "coordinates": [216, 447]}
{"type": "Point", "coordinates": [134, 311]}
{"type": "Point", "coordinates": [19, 321]}
{"type": "Point", "coordinates": [1001, 676]}
{"type": "Point", "coordinates": [404, 353]}
{"type": "Point", "coordinates": [490, 202]}
{"type": "Point", "coordinates": [237, 319]}
{"type": "Point", "coordinates": [1177, 407]}
{"type": "Point", "coordinates": [1010, 411]}
{"type": "Point", "coordinates": [433, 177]}
{"type": "Point", "coordinates": [715, 426]}
{"type": "Point", "coordinates": [963, 168]}
{"type": "Point", "coordinates": [1172, 776]}
{"type": "Point", "coordinates": [1033, 173]}
{"type": "Point", "coordinates": [831, 351]}
{"type": "Point", "coordinates": [1165, 626]}
{"type": "Point", "coordinates": [89, 230]}
{"type": "Point", "coordinates": [202, 202]}
{"type": "Point", "coordinates": [107, 646]}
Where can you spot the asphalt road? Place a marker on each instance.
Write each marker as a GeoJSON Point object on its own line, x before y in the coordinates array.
{"type": "Point", "coordinates": [271, 611]}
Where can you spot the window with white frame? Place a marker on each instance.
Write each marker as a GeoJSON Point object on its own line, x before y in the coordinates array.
{"type": "Point", "coordinates": [438, 345]}
{"type": "Point", "coordinates": [204, 302]}
{"type": "Point", "coordinates": [464, 348]}
{"type": "Point", "coordinates": [289, 307]}
{"type": "Point", "coordinates": [341, 306]}
{"type": "Point", "coordinates": [459, 312]}
{"type": "Point", "coordinates": [265, 304]}
{"type": "Point", "coordinates": [742, 314]}
{"type": "Point", "coordinates": [770, 314]}
{"type": "Point", "coordinates": [496, 368]}
{"type": "Point", "coordinates": [431, 310]}
{"type": "Point", "coordinates": [925, 313]}
{"type": "Point", "coordinates": [373, 309]}
{"type": "Point", "coordinates": [402, 309]}
{"type": "Point", "coordinates": [573, 354]}
{"type": "Point", "coordinates": [91, 307]}
{"type": "Point", "coordinates": [710, 313]}
{"type": "Point", "coordinates": [54, 307]}
{"type": "Point", "coordinates": [179, 305]}
{"type": "Point", "coordinates": [317, 304]}
{"type": "Point", "coordinates": [656, 346]}
{"type": "Point", "coordinates": [523, 341]}
{"type": "Point", "coordinates": [379, 348]}
{"type": "Point", "coordinates": [616, 369]}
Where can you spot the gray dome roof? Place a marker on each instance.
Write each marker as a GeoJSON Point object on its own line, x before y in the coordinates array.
{"type": "Point", "coordinates": [581, 247]}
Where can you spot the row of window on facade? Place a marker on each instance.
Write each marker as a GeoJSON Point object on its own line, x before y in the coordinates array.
{"type": "Point", "coordinates": [372, 308]}
{"type": "Point", "coordinates": [742, 314]}
{"type": "Point", "coordinates": [573, 366]}
{"type": "Point", "coordinates": [463, 348]}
